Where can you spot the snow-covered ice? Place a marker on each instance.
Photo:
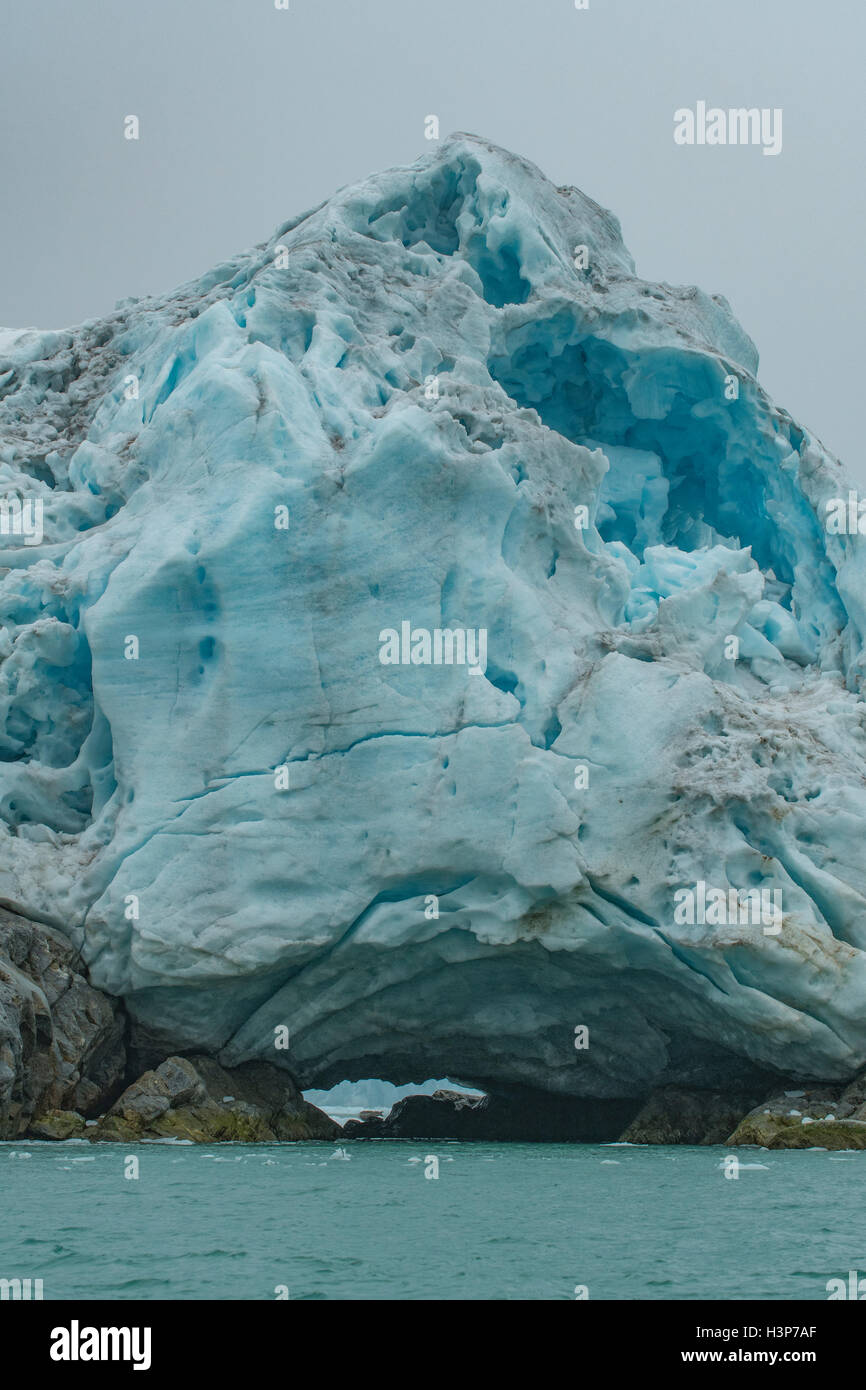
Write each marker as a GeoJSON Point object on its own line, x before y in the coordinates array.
{"type": "Point", "coordinates": [423, 383]}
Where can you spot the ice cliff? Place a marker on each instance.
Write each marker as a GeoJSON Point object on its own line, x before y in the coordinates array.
{"type": "Point", "coordinates": [393, 413]}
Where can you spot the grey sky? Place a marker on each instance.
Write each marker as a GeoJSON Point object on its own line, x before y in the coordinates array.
{"type": "Point", "coordinates": [249, 114]}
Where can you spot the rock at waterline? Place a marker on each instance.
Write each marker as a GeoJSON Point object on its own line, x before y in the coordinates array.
{"type": "Point", "coordinates": [184, 1098]}
{"type": "Point", "coordinates": [819, 1116]}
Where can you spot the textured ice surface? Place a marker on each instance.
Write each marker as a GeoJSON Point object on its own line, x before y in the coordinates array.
{"type": "Point", "coordinates": [140, 808]}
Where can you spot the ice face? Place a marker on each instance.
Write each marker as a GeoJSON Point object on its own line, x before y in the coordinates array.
{"type": "Point", "coordinates": [439, 405]}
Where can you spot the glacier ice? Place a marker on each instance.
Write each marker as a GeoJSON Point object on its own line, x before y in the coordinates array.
{"type": "Point", "coordinates": [389, 413]}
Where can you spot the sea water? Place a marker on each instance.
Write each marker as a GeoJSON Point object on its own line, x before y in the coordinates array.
{"type": "Point", "coordinates": [364, 1220]}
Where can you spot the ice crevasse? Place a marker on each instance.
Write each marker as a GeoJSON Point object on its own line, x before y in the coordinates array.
{"type": "Point", "coordinates": [393, 412]}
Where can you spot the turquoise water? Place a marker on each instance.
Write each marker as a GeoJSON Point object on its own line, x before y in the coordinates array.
{"type": "Point", "coordinates": [502, 1221]}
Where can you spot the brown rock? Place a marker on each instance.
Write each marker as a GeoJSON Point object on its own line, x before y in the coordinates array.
{"type": "Point", "coordinates": [195, 1098]}
{"type": "Point", "coordinates": [824, 1116]}
{"type": "Point", "coordinates": [789, 1132]}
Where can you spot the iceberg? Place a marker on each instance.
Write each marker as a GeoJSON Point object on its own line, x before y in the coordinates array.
{"type": "Point", "coordinates": [440, 403]}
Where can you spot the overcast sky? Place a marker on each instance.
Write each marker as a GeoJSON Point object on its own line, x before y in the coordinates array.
{"type": "Point", "coordinates": [249, 115]}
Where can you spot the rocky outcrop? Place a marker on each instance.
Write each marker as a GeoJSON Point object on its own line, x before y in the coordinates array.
{"type": "Point", "coordinates": [63, 1060]}
{"type": "Point", "coordinates": [444, 1114]}
{"type": "Point", "coordinates": [827, 1117]}
{"type": "Point", "coordinates": [675, 1115]}
{"type": "Point", "coordinates": [61, 1041]}
{"type": "Point", "coordinates": [195, 1098]}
